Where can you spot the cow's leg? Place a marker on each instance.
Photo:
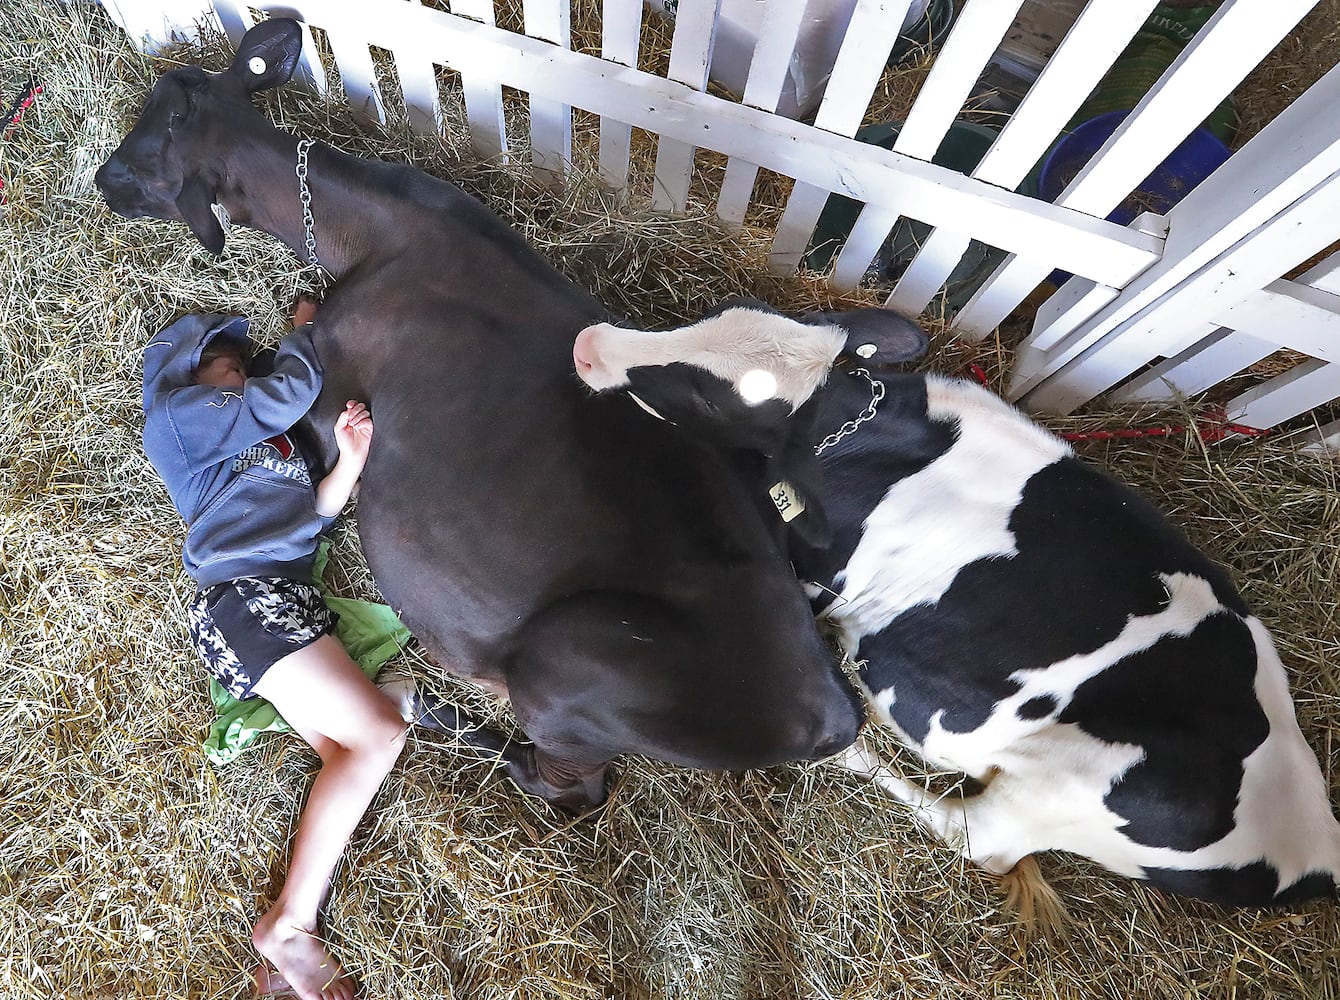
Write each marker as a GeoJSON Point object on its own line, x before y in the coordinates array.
{"type": "Point", "coordinates": [605, 673]}
{"type": "Point", "coordinates": [981, 826]}
{"type": "Point", "coordinates": [567, 787]}
{"type": "Point", "coordinates": [978, 825]}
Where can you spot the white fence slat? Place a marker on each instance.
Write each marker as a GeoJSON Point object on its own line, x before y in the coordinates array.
{"type": "Point", "coordinates": [1306, 386]}
{"type": "Point", "coordinates": [1299, 150]}
{"type": "Point", "coordinates": [309, 72]}
{"type": "Point", "coordinates": [960, 62]}
{"type": "Point", "coordinates": [1218, 356]}
{"type": "Point", "coordinates": [358, 74]}
{"type": "Point", "coordinates": [235, 17]}
{"type": "Point", "coordinates": [620, 26]}
{"type": "Point", "coordinates": [816, 158]}
{"type": "Point", "coordinates": [1223, 353]}
{"type": "Point", "coordinates": [874, 27]}
{"type": "Point", "coordinates": [483, 97]}
{"type": "Point", "coordinates": [147, 27]}
{"type": "Point", "coordinates": [1306, 227]}
{"type": "Point", "coordinates": [1051, 326]}
{"type": "Point", "coordinates": [1289, 315]}
{"type": "Point", "coordinates": [418, 82]}
{"type": "Point", "coordinates": [930, 269]}
{"type": "Point", "coordinates": [550, 120]}
{"type": "Point", "coordinates": [1078, 297]}
{"type": "Point", "coordinates": [148, 24]}
{"type": "Point", "coordinates": [690, 57]}
{"type": "Point", "coordinates": [1098, 36]}
{"type": "Point", "coordinates": [771, 62]}
{"type": "Point", "coordinates": [1237, 37]}
{"type": "Point", "coordinates": [763, 89]}
{"type": "Point", "coordinates": [868, 233]}
{"type": "Point", "coordinates": [861, 61]}
{"type": "Point", "coordinates": [957, 67]}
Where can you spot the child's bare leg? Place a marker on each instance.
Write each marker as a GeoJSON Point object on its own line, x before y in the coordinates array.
{"type": "Point", "coordinates": [359, 734]}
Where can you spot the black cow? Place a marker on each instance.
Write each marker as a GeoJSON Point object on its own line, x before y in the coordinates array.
{"type": "Point", "coordinates": [613, 578]}
{"type": "Point", "coordinates": [1024, 619]}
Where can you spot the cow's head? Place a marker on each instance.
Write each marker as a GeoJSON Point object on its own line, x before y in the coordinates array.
{"type": "Point", "coordinates": [170, 165]}
{"type": "Point", "coordinates": [744, 377]}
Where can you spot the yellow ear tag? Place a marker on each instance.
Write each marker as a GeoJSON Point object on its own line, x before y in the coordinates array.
{"type": "Point", "coordinates": [787, 501]}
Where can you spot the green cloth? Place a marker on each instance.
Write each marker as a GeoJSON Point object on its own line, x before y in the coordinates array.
{"type": "Point", "coordinates": [372, 633]}
{"type": "Point", "coordinates": [1154, 48]}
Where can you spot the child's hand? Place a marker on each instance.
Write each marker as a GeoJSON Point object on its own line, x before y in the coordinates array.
{"type": "Point", "coordinates": [353, 431]}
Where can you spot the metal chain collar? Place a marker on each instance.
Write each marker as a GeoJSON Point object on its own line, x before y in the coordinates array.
{"type": "Point", "coordinates": [876, 394]}
{"type": "Point", "coordinates": [305, 195]}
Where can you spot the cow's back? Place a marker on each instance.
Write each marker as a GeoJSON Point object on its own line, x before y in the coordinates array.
{"type": "Point", "coordinates": [503, 483]}
{"type": "Point", "coordinates": [1025, 619]}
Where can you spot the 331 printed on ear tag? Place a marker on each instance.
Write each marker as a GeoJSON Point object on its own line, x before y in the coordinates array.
{"type": "Point", "coordinates": [787, 501]}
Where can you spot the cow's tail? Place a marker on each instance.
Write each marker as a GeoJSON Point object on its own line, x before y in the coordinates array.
{"type": "Point", "coordinates": [1034, 903]}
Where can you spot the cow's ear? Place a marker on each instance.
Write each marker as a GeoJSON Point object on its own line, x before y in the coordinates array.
{"type": "Point", "coordinates": [875, 335]}
{"type": "Point", "coordinates": [195, 203]}
{"type": "Point", "coordinates": [268, 54]}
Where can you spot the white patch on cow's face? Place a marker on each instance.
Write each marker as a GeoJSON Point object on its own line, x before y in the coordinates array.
{"type": "Point", "coordinates": [745, 347]}
{"type": "Point", "coordinates": [952, 513]}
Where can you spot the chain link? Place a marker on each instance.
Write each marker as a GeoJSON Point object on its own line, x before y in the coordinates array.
{"type": "Point", "coordinates": [876, 394]}
{"type": "Point", "coordinates": [309, 224]}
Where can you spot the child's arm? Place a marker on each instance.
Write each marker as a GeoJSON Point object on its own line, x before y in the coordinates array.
{"type": "Point", "coordinates": [210, 425]}
{"type": "Point", "coordinates": [353, 435]}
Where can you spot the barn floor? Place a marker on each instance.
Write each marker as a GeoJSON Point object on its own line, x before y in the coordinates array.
{"type": "Point", "coordinates": [130, 868]}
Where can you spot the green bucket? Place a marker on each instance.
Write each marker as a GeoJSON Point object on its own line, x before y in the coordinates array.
{"type": "Point", "coordinates": [1143, 62]}
{"type": "Point", "coordinates": [962, 149]}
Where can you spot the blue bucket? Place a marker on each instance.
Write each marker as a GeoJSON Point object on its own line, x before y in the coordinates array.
{"type": "Point", "coordinates": [1199, 155]}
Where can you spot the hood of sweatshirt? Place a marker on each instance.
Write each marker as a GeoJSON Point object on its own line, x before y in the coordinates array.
{"type": "Point", "coordinates": [171, 357]}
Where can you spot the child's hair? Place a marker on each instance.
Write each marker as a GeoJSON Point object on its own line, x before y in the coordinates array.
{"type": "Point", "coordinates": [218, 348]}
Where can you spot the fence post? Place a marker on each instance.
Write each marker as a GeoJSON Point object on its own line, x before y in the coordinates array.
{"type": "Point", "coordinates": [861, 60]}
{"type": "Point", "coordinates": [690, 59]}
{"type": "Point", "coordinates": [550, 121]}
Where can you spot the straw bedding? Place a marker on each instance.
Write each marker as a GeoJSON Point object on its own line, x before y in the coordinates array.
{"type": "Point", "coordinates": [130, 869]}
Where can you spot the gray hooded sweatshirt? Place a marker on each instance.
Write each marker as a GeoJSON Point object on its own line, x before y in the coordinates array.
{"type": "Point", "coordinates": [230, 468]}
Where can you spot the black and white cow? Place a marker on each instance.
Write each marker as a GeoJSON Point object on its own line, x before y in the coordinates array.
{"type": "Point", "coordinates": [1024, 619]}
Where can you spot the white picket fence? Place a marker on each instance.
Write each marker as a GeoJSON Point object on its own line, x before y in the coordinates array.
{"type": "Point", "coordinates": [1197, 292]}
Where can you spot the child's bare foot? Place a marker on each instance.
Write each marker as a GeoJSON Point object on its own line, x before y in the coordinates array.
{"type": "Point", "coordinates": [302, 965]}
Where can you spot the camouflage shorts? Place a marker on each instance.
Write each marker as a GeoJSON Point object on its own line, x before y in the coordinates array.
{"type": "Point", "coordinates": [243, 627]}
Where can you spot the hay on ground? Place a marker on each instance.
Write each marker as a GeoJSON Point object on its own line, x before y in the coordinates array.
{"type": "Point", "coordinates": [131, 869]}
